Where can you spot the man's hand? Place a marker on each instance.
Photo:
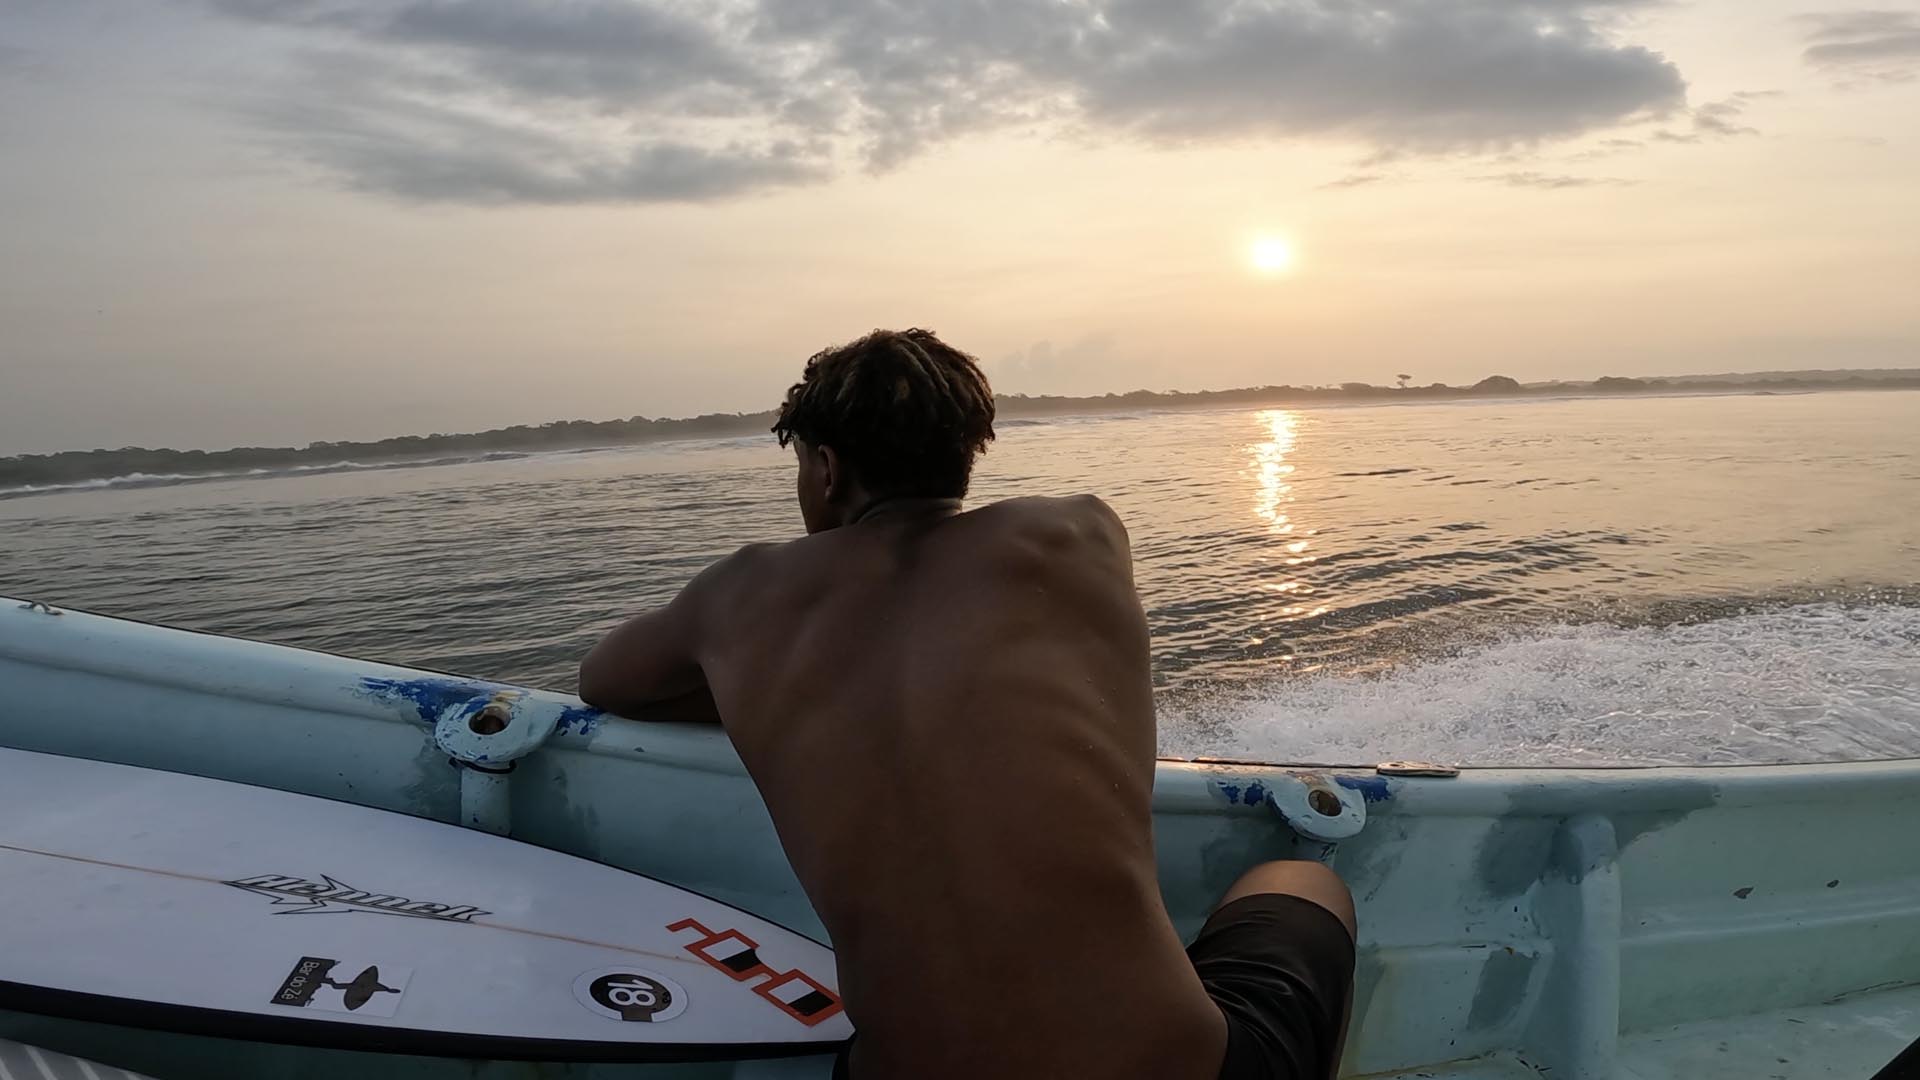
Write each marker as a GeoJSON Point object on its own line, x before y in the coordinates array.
{"type": "Point", "coordinates": [695, 707]}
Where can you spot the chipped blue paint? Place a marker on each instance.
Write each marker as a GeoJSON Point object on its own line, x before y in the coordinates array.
{"type": "Point", "coordinates": [431, 696]}
{"type": "Point", "coordinates": [1249, 793]}
{"type": "Point", "coordinates": [1373, 788]}
{"type": "Point", "coordinates": [586, 716]}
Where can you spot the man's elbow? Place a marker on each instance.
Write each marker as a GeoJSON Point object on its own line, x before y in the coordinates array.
{"type": "Point", "coordinates": [594, 688]}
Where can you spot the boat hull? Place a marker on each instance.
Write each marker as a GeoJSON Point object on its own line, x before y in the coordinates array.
{"type": "Point", "coordinates": [1598, 923]}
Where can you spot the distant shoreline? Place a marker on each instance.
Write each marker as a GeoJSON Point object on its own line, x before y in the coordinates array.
{"type": "Point", "coordinates": [78, 468]}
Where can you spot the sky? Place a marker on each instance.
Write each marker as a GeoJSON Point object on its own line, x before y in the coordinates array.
{"type": "Point", "coordinates": [268, 222]}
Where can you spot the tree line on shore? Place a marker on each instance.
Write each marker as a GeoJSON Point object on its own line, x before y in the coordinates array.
{"type": "Point", "coordinates": [77, 466]}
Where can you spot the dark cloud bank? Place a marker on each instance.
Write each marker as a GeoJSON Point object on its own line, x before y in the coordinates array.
{"type": "Point", "coordinates": [607, 100]}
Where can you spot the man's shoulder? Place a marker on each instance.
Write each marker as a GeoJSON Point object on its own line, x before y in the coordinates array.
{"type": "Point", "coordinates": [1058, 520]}
{"type": "Point", "coordinates": [748, 562]}
{"type": "Point", "coordinates": [1073, 509]}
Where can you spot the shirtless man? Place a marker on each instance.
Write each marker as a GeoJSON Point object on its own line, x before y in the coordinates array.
{"type": "Point", "coordinates": [950, 718]}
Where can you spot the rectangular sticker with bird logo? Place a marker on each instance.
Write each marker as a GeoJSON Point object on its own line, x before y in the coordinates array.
{"type": "Point", "coordinates": [356, 987]}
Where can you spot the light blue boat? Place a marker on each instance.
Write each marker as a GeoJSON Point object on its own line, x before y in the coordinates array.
{"type": "Point", "coordinates": [1573, 924]}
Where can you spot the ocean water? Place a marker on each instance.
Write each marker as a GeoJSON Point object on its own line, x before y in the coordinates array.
{"type": "Point", "coordinates": [1582, 582]}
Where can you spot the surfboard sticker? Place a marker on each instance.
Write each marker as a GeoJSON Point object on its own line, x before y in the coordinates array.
{"type": "Point", "coordinates": [800, 996]}
{"type": "Point", "coordinates": [359, 987]}
{"type": "Point", "coordinates": [630, 994]}
{"type": "Point", "coordinates": [297, 895]}
{"type": "Point", "coordinates": [794, 992]}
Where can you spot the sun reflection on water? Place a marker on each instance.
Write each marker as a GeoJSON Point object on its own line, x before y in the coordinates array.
{"type": "Point", "coordinates": [1272, 498]}
{"type": "Point", "coordinates": [1271, 469]}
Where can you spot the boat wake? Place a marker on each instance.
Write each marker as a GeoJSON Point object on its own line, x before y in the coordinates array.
{"type": "Point", "coordinates": [1802, 683]}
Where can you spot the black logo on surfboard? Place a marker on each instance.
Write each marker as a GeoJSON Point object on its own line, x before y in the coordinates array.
{"type": "Point", "coordinates": [297, 896]}
{"type": "Point", "coordinates": [634, 996]}
{"type": "Point", "coordinates": [321, 983]}
{"type": "Point", "coordinates": [631, 994]}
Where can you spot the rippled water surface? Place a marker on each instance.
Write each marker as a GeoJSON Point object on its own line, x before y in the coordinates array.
{"type": "Point", "coordinates": [1708, 579]}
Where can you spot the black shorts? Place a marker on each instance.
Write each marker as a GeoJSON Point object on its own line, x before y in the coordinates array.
{"type": "Point", "coordinates": [1281, 969]}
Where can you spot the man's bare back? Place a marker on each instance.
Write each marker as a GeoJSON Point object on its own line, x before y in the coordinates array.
{"type": "Point", "coordinates": [950, 718]}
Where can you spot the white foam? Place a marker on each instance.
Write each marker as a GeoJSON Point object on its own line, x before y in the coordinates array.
{"type": "Point", "coordinates": [125, 480]}
{"type": "Point", "coordinates": [146, 480]}
{"type": "Point", "coordinates": [1813, 682]}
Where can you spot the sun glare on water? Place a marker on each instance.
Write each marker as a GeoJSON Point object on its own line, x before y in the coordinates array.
{"type": "Point", "coordinates": [1271, 254]}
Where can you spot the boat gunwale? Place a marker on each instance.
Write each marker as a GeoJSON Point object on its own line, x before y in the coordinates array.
{"type": "Point", "coordinates": [338, 686]}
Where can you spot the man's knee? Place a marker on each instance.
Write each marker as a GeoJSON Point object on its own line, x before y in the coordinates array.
{"type": "Point", "coordinates": [1296, 877]}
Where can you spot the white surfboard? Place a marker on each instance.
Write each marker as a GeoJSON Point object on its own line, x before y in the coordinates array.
{"type": "Point", "coordinates": [156, 899]}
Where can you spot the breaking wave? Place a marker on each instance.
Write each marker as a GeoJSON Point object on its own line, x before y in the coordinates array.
{"type": "Point", "coordinates": [150, 480]}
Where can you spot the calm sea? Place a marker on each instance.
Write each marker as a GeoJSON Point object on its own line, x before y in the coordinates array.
{"type": "Point", "coordinates": [1584, 581]}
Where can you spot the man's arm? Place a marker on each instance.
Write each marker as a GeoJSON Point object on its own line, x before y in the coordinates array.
{"type": "Point", "coordinates": [648, 667]}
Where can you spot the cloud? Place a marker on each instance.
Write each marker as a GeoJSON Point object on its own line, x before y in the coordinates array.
{"type": "Point", "coordinates": [1551, 182]}
{"type": "Point", "coordinates": [1721, 118]}
{"type": "Point", "coordinates": [1418, 75]}
{"type": "Point", "coordinates": [491, 100]}
{"type": "Point", "coordinates": [15, 60]}
{"type": "Point", "coordinates": [364, 121]}
{"type": "Point", "coordinates": [1606, 148]}
{"type": "Point", "coordinates": [1863, 47]}
{"type": "Point", "coordinates": [1353, 180]}
{"type": "Point", "coordinates": [440, 157]}
{"type": "Point", "coordinates": [1717, 119]}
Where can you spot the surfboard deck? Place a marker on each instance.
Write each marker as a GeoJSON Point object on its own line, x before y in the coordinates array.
{"type": "Point", "coordinates": [158, 899]}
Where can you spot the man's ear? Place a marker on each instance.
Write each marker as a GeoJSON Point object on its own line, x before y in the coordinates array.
{"type": "Point", "coordinates": [832, 477]}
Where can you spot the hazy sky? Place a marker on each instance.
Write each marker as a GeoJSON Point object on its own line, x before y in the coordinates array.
{"type": "Point", "coordinates": [273, 221]}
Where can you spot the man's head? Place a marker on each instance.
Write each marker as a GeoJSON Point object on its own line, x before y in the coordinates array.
{"type": "Point", "coordinates": [896, 414]}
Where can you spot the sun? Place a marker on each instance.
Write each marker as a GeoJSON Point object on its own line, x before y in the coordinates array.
{"type": "Point", "coordinates": [1271, 254]}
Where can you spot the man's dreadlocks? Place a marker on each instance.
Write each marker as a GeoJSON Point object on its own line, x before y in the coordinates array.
{"type": "Point", "coordinates": [907, 412]}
